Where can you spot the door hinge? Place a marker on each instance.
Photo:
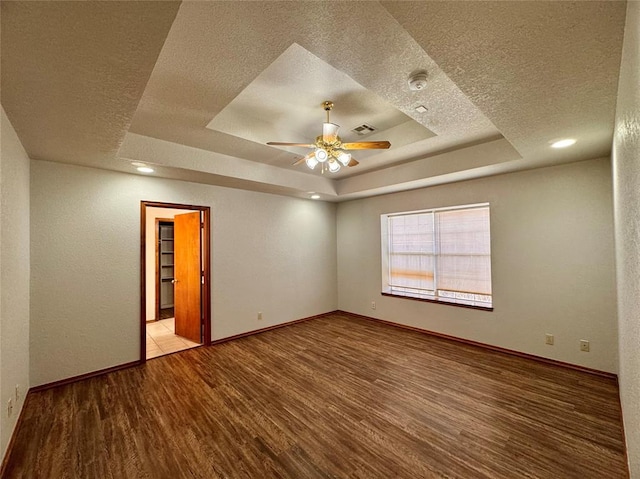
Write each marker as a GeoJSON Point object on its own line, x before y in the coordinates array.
{"type": "Point", "coordinates": [202, 278]}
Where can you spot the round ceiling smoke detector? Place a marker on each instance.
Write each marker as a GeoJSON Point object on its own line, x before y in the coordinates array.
{"type": "Point", "coordinates": [418, 80]}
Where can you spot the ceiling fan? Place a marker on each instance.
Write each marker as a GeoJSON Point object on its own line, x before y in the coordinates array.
{"type": "Point", "coordinates": [329, 151]}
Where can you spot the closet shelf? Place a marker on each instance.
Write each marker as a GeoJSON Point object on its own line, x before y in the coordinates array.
{"type": "Point", "coordinates": [165, 261]}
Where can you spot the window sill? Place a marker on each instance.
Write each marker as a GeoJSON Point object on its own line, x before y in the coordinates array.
{"type": "Point", "coordinates": [437, 301]}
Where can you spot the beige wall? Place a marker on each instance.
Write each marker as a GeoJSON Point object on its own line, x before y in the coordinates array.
{"type": "Point", "coordinates": [152, 214]}
{"type": "Point", "coordinates": [270, 253]}
{"type": "Point", "coordinates": [626, 177]}
{"type": "Point", "coordinates": [14, 277]}
{"type": "Point", "coordinates": [552, 262]}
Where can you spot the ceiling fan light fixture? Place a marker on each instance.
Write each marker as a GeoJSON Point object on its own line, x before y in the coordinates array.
{"type": "Point", "coordinates": [334, 166]}
{"type": "Point", "coordinates": [311, 162]}
{"type": "Point", "coordinates": [344, 158]}
{"type": "Point", "coordinates": [322, 155]}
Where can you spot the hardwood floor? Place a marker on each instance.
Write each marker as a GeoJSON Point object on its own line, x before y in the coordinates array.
{"type": "Point", "coordinates": [336, 397]}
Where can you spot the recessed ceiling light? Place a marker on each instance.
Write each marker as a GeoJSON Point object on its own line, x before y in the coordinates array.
{"type": "Point", "coordinates": [145, 169]}
{"type": "Point", "coordinates": [563, 143]}
{"type": "Point", "coordinates": [315, 197]}
{"type": "Point", "coordinates": [421, 109]}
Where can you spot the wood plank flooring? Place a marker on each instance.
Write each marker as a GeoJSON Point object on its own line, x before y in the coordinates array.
{"type": "Point", "coordinates": [336, 397]}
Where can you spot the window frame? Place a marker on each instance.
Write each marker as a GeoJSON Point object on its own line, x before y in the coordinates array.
{"type": "Point", "coordinates": [431, 296]}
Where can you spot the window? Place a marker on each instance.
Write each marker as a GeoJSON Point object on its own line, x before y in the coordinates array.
{"type": "Point", "coordinates": [441, 254]}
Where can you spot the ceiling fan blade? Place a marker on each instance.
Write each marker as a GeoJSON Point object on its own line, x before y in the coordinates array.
{"type": "Point", "coordinates": [280, 143]}
{"type": "Point", "coordinates": [353, 162]}
{"type": "Point", "coordinates": [303, 159]}
{"type": "Point", "coordinates": [330, 132]}
{"type": "Point", "coordinates": [366, 145]}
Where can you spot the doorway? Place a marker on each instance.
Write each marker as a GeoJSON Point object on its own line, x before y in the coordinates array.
{"type": "Point", "coordinates": [175, 278]}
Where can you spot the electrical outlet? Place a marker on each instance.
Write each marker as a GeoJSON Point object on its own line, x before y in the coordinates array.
{"type": "Point", "coordinates": [17, 393]}
{"type": "Point", "coordinates": [584, 345]}
{"type": "Point", "coordinates": [373, 305]}
{"type": "Point", "coordinates": [10, 407]}
{"type": "Point", "coordinates": [548, 339]}
{"type": "Point", "coordinates": [259, 315]}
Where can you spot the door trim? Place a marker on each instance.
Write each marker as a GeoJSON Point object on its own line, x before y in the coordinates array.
{"type": "Point", "coordinates": [205, 292]}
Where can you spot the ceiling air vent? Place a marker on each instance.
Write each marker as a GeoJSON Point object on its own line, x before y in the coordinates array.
{"type": "Point", "coordinates": [363, 130]}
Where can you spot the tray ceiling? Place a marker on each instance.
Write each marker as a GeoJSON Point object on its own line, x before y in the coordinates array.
{"type": "Point", "coordinates": [197, 88]}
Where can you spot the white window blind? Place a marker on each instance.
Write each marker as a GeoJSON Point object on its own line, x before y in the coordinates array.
{"type": "Point", "coordinates": [441, 254]}
{"type": "Point", "coordinates": [412, 250]}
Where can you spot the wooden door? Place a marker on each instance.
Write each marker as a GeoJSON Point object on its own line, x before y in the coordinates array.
{"type": "Point", "coordinates": [187, 276]}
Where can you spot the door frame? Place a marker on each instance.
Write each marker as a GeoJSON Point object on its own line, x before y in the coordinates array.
{"type": "Point", "coordinates": [205, 290]}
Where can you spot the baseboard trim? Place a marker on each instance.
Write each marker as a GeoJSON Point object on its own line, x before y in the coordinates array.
{"type": "Point", "coordinates": [73, 379]}
{"type": "Point", "coordinates": [512, 352]}
{"type": "Point", "coordinates": [14, 434]}
{"type": "Point", "coordinates": [271, 328]}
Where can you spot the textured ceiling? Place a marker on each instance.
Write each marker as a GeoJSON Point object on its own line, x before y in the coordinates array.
{"type": "Point", "coordinates": [98, 83]}
{"type": "Point", "coordinates": [539, 70]}
{"type": "Point", "coordinates": [73, 73]}
{"type": "Point", "coordinates": [284, 103]}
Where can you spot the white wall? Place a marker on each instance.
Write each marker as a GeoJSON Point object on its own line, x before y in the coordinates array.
{"type": "Point", "coordinates": [270, 253]}
{"type": "Point", "coordinates": [152, 214]}
{"type": "Point", "coordinates": [552, 262]}
{"type": "Point", "coordinates": [14, 277]}
{"type": "Point", "coordinates": [626, 177]}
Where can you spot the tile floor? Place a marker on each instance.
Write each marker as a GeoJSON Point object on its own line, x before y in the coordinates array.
{"type": "Point", "coordinates": [162, 340]}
